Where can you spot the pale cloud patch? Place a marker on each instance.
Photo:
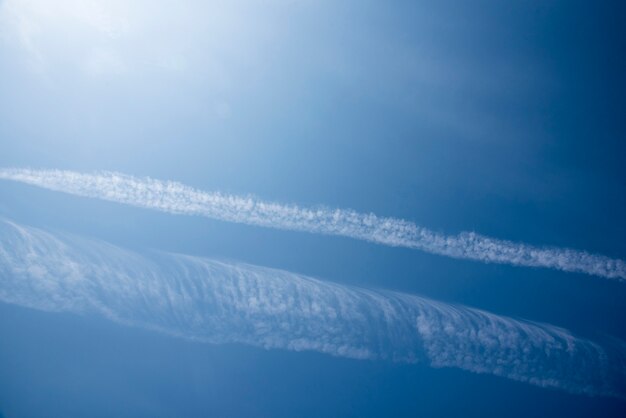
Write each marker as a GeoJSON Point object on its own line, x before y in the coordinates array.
{"type": "Point", "coordinates": [63, 30]}
{"type": "Point", "coordinates": [102, 62]}
{"type": "Point", "coordinates": [117, 37]}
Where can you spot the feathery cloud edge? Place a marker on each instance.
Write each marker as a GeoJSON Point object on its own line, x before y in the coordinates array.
{"type": "Point", "coordinates": [177, 198]}
{"type": "Point", "coordinates": [227, 302]}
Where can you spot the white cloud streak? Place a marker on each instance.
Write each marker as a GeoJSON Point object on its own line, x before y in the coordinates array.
{"type": "Point", "coordinates": [177, 198]}
{"type": "Point", "coordinates": [226, 302]}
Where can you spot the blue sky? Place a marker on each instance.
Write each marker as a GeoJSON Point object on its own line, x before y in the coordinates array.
{"type": "Point", "coordinates": [504, 119]}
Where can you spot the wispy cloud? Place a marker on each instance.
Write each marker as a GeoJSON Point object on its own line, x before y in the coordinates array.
{"type": "Point", "coordinates": [173, 197]}
{"type": "Point", "coordinates": [39, 27]}
{"type": "Point", "coordinates": [220, 302]}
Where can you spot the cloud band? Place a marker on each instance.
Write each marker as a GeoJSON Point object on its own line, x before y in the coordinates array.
{"type": "Point", "coordinates": [225, 302]}
{"type": "Point", "coordinates": [173, 197]}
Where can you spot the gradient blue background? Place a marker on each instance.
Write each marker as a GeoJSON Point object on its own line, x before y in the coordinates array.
{"type": "Point", "coordinates": [505, 118]}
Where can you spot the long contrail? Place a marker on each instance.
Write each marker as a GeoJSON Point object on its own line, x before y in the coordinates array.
{"type": "Point", "coordinates": [173, 197]}
{"type": "Point", "coordinates": [225, 302]}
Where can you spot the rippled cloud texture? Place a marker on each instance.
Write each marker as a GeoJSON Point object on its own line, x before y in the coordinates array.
{"type": "Point", "coordinates": [177, 198]}
{"type": "Point", "coordinates": [227, 302]}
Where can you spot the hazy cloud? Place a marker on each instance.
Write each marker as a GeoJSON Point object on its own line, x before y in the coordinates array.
{"type": "Point", "coordinates": [219, 302]}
